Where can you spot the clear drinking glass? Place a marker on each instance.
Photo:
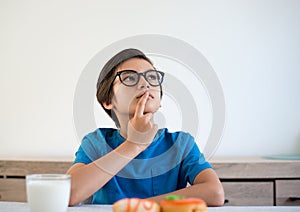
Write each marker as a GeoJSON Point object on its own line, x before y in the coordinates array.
{"type": "Point", "coordinates": [48, 192]}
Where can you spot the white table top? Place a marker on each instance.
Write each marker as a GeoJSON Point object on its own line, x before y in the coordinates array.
{"type": "Point", "coordinates": [23, 207]}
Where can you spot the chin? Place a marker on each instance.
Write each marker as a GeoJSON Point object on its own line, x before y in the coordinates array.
{"type": "Point", "coordinates": [151, 108]}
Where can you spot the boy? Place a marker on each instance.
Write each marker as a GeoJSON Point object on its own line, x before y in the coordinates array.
{"type": "Point", "coordinates": [137, 159]}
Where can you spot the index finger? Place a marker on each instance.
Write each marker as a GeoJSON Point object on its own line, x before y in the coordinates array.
{"type": "Point", "coordinates": [139, 110]}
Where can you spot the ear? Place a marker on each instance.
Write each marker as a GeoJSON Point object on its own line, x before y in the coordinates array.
{"type": "Point", "coordinates": [107, 106]}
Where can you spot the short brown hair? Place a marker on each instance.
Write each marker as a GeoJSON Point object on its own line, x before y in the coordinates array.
{"type": "Point", "coordinates": [106, 77]}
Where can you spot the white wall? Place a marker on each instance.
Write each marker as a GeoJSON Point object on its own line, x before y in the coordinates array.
{"type": "Point", "coordinates": [253, 46]}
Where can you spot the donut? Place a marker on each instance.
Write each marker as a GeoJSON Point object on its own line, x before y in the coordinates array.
{"type": "Point", "coordinates": [177, 203]}
{"type": "Point", "coordinates": [135, 205]}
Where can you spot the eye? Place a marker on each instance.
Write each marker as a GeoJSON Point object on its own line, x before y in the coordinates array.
{"type": "Point", "coordinates": [152, 77]}
{"type": "Point", "coordinates": [128, 77]}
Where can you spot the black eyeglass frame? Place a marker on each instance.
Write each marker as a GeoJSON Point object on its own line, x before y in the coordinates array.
{"type": "Point", "coordinates": [118, 74]}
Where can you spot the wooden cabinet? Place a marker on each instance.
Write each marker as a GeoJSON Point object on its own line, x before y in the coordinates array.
{"type": "Point", "coordinates": [255, 182]}
{"type": "Point", "coordinates": [12, 176]}
{"type": "Point", "coordinates": [249, 193]}
{"type": "Point", "coordinates": [287, 192]}
{"type": "Point", "coordinates": [259, 182]}
{"type": "Point", "coordinates": [12, 190]}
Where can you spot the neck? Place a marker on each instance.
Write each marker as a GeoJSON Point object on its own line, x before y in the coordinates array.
{"type": "Point", "coordinates": [123, 121]}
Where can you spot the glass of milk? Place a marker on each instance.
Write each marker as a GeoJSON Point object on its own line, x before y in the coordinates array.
{"type": "Point", "coordinates": [48, 192]}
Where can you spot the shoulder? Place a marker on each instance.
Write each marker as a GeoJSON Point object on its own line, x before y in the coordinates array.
{"type": "Point", "coordinates": [176, 141]}
{"type": "Point", "coordinates": [175, 136]}
{"type": "Point", "coordinates": [97, 143]}
{"type": "Point", "coordinates": [102, 134]}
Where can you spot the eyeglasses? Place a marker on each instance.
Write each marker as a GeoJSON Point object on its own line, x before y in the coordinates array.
{"type": "Point", "coordinates": [131, 77]}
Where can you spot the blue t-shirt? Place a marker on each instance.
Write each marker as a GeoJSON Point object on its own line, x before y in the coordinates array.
{"type": "Point", "coordinates": [168, 164]}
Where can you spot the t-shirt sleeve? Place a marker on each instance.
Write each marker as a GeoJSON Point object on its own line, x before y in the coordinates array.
{"type": "Point", "coordinates": [193, 164]}
{"type": "Point", "coordinates": [85, 151]}
{"type": "Point", "coordinates": [93, 146]}
{"type": "Point", "coordinates": [81, 157]}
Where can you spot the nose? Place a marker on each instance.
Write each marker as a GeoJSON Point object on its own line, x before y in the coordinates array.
{"type": "Point", "coordinates": [143, 84]}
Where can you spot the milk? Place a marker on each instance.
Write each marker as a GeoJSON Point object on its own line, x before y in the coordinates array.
{"type": "Point", "coordinates": [48, 193]}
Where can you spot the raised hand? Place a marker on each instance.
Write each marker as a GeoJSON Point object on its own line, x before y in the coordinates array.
{"type": "Point", "coordinates": [141, 128]}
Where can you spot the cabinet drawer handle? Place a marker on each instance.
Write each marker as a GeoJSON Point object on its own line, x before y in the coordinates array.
{"type": "Point", "coordinates": [294, 199]}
